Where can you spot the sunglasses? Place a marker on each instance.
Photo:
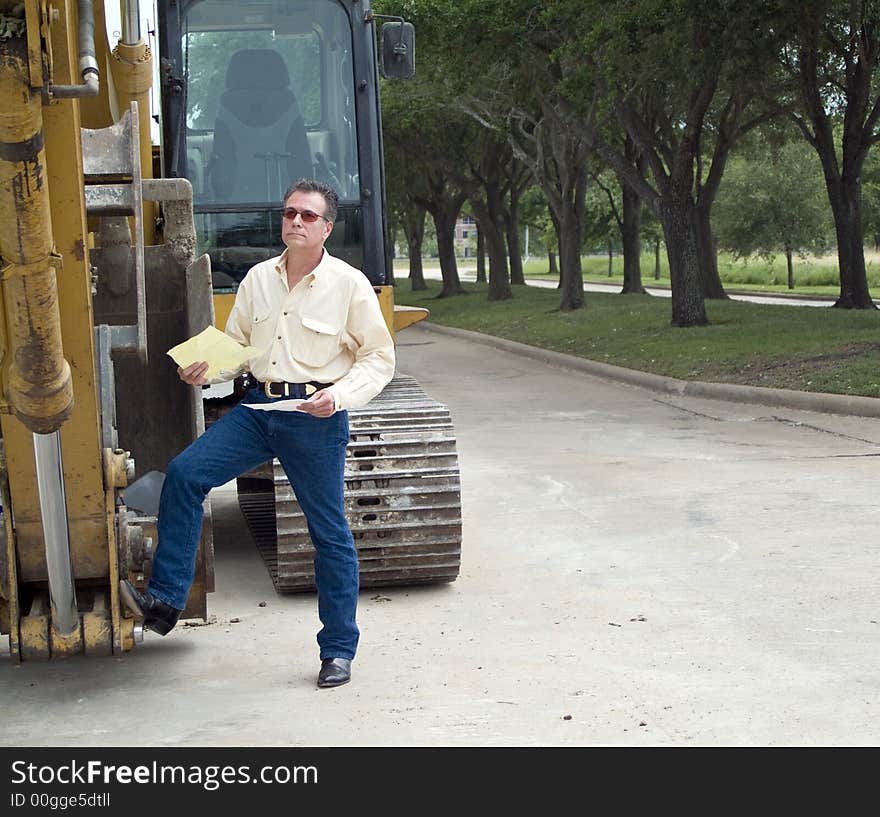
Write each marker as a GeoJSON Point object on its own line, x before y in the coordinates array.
{"type": "Point", "coordinates": [308, 216]}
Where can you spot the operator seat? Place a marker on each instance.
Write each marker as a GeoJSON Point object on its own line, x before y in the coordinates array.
{"type": "Point", "coordinates": [260, 142]}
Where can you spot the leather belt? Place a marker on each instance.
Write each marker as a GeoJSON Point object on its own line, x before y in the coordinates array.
{"type": "Point", "coordinates": [280, 388]}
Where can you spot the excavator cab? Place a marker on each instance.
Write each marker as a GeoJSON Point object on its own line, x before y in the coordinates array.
{"type": "Point", "coordinates": [268, 93]}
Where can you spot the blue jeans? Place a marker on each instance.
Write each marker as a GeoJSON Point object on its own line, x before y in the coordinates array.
{"type": "Point", "coordinates": [312, 452]}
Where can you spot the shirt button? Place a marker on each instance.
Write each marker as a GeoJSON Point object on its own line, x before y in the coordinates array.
{"type": "Point", "coordinates": [274, 362]}
{"type": "Point", "coordinates": [279, 337]}
{"type": "Point", "coordinates": [285, 313]}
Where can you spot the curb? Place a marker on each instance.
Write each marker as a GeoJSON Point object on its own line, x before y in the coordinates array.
{"type": "Point", "coordinates": [857, 406]}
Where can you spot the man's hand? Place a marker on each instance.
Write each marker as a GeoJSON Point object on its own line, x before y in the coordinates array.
{"type": "Point", "coordinates": [320, 404]}
{"type": "Point", "coordinates": [194, 374]}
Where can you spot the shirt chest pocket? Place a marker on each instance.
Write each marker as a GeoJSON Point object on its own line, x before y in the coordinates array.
{"type": "Point", "coordinates": [317, 342]}
{"type": "Point", "coordinates": [261, 329]}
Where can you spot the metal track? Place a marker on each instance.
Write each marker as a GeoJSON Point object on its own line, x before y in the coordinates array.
{"type": "Point", "coordinates": [402, 498]}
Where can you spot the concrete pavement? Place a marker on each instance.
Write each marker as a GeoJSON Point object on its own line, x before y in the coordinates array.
{"type": "Point", "coordinates": [639, 567]}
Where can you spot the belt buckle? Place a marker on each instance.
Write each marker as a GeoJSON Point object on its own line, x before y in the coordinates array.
{"type": "Point", "coordinates": [310, 389]}
{"type": "Point", "coordinates": [268, 389]}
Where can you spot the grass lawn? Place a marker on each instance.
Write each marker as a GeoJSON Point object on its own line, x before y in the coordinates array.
{"type": "Point", "coordinates": [806, 348]}
{"type": "Point", "coordinates": [813, 275]}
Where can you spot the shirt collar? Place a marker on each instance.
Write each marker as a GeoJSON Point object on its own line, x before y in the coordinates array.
{"type": "Point", "coordinates": [281, 263]}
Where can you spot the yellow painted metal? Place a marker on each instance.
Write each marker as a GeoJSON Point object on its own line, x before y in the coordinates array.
{"type": "Point", "coordinates": [36, 377]}
{"type": "Point", "coordinates": [223, 302]}
{"type": "Point", "coordinates": [397, 317]}
{"type": "Point", "coordinates": [37, 382]}
{"type": "Point", "coordinates": [10, 580]}
{"type": "Point", "coordinates": [408, 315]}
{"type": "Point", "coordinates": [97, 634]}
{"type": "Point", "coordinates": [35, 52]}
{"type": "Point", "coordinates": [126, 634]}
{"type": "Point", "coordinates": [132, 69]}
{"type": "Point", "coordinates": [80, 434]}
{"type": "Point", "coordinates": [97, 628]}
{"type": "Point", "coordinates": [386, 303]}
{"type": "Point", "coordinates": [34, 629]}
{"type": "Point", "coordinates": [111, 477]}
{"type": "Point", "coordinates": [63, 645]}
{"type": "Point", "coordinates": [101, 111]}
{"type": "Point", "coordinates": [126, 76]}
{"type": "Point", "coordinates": [115, 474]}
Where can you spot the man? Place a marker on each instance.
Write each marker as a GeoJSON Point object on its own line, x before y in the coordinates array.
{"type": "Point", "coordinates": [318, 324]}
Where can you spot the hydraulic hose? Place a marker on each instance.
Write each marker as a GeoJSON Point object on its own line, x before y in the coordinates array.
{"type": "Point", "coordinates": [88, 65]}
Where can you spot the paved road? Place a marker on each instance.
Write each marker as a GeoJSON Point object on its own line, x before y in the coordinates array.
{"type": "Point", "coordinates": [467, 274]}
{"type": "Point", "coordinates": [637, 569]}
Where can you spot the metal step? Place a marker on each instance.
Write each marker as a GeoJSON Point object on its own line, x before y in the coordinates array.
{"type": "Point", "coordinates": [402, 498]}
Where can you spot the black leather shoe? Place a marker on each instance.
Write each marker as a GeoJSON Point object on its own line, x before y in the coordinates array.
{"type": "Point", "coordinates": [334, 672]}
{"type": "Point", "coordinates": [158, 616]}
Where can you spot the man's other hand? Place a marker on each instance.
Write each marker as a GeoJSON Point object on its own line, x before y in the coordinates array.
{"type": "Point", "coordinates": [194, 374]}
{"type": "Point", "coordinates": [320, 404]}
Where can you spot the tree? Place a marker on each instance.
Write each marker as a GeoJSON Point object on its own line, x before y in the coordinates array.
{"type": "Point", "coordinates": [833, 61]}
{"type": "Point", "coordinates": [536, 214]}
{"type": "Point", "coordinates": [518, 178]}
{"type": "Point", "coordinates": [418, 140]}
{"type": "Point", "coordinates": [771, 201]}
{"type": "Point", "coordinates": [479, 171]}
{"type": "Point", "coordinates": [506, 81]}
{"type": "Point", "coordinates": [624, 209]}
{"type": "Point", "coordinates": [413, 226]}
{"type": "Point", "coordinates": [678, 78]}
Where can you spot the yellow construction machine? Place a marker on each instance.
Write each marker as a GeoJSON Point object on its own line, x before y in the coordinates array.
{"type": "Point", "coordinates": [115, 245]}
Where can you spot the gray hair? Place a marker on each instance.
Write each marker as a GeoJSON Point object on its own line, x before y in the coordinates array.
{"type": "Point", "coordinates": [314, 186]}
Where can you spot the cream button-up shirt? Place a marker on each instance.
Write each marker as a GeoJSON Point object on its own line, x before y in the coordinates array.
{"type": "Point", "coordinates": [328, 328]}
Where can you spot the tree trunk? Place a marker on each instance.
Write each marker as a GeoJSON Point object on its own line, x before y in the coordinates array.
{"type": "Point", "coordinates": [414, 229]}
{"type": "Point", "coordinates": [571, 275]}
{"type": "Point", "coordinates": [511, 227]}
{"type": "Point", "coordinates": [553, 257]}
{"type": "Point", "coordinates": [790, 267]}
{"type": "Point", "coordinates": [657, 260]}
{"type": "Point", "coordinates": [488, 214]}
{"type": "Point", "coordinates": [499, 275]}
{"type": "Point", "coordinates": [444, 223]}
{"type": "Point", "coordinates": [513, 247]}
{"type": "Point", "coordinates": [843, 177]}
{"type": "Point", "coordinates": [481, 256]}
{"type": "Point", "coordinates": [610, 258]}
{"type": "Point", "coordinates": [632, 244]}
{"type": "Point", "coordinates": [711, 280]}
{"type": "Point", "coordinates": [416, 271]}
{"type": "Point", "coordinates": [677, 218]}
{"type": "Point", "coordinates": [846, 206]}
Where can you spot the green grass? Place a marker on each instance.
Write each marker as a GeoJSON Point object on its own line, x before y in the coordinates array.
{"type": "Point", "coordinates": [814, 275]}
{"type": "Point", "coordinates": [806, 348]}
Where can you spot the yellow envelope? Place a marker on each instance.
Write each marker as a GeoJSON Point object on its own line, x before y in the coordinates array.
{"type": "Point", "coordinates": [216, 348]}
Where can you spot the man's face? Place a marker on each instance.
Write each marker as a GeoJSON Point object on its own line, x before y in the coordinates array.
{"type": "Point", "coordinates": [298, 233]}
